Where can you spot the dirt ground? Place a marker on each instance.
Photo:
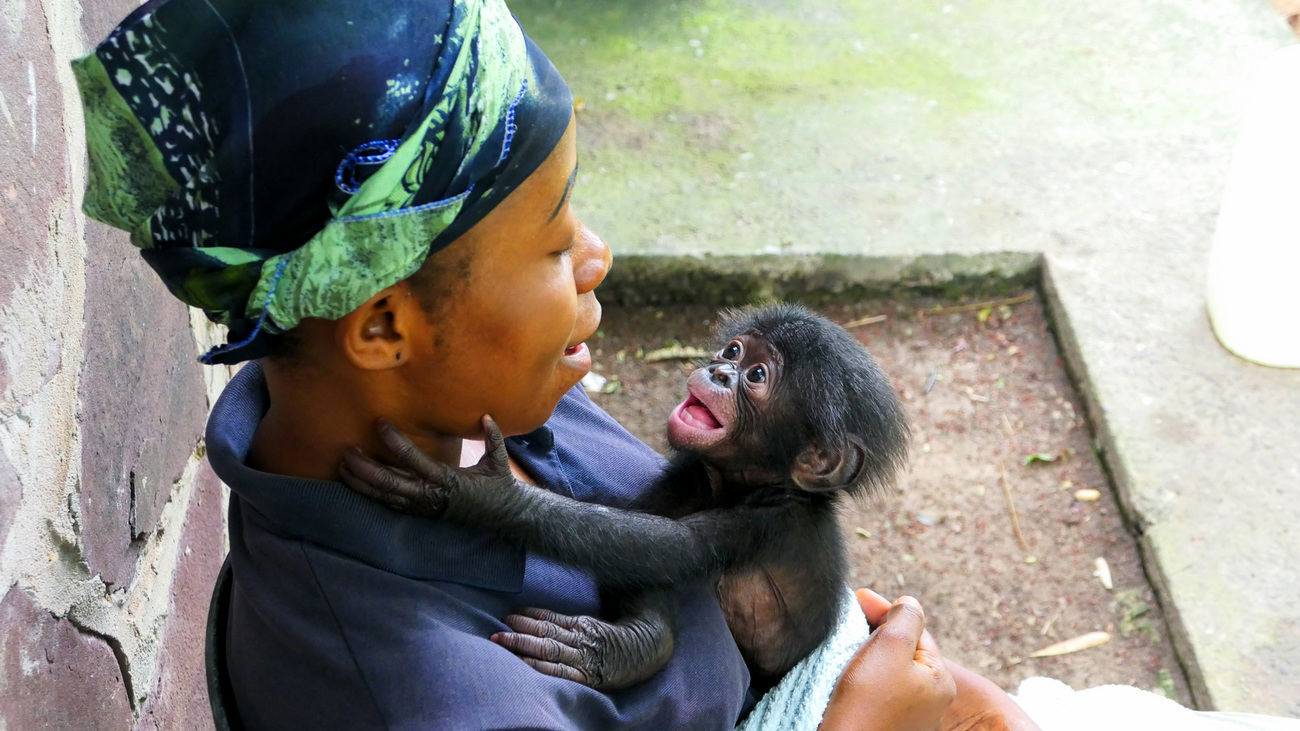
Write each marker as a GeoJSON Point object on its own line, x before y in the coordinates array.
{"type": "Point", "coordinates": [985, 389]}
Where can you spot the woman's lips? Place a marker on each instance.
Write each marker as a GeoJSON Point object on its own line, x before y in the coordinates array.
{"type": "Point", "coordinates": [577, 357]}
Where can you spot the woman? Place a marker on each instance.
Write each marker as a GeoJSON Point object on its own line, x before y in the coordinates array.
{"type": "Point", "coordinates": [374, 199]}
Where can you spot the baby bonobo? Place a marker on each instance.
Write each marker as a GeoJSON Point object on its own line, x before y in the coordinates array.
{"type": "Point", "coordinates": [791, 415]}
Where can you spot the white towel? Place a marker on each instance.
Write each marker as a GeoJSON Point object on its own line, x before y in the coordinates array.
{"type": "Point", "coordinates": [799, 700]}
{"type": "Point", "coordinates": [1055, 707]}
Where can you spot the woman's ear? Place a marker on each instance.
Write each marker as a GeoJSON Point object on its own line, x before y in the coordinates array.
{"type": "Point", "coordinates": [377, 335]}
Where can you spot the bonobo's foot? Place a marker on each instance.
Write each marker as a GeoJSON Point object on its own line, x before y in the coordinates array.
{"type": "Point", "coordinates": [423, 486]}
{"type": "Point", "coordinates": [586, 650]}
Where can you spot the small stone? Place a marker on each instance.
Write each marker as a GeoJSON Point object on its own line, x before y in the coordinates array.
{"type": "Point", "coordinates": [1103, 573]}
{"type": "Point", "coordinates": [929, 518]}
{"type": "Point", "coordinates": [593, 382]}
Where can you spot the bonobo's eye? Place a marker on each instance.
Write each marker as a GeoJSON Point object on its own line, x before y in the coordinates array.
{"type": "Point", "coordinates": [757, 374]}
{"type": "Point", "coordinates": [731, 352]}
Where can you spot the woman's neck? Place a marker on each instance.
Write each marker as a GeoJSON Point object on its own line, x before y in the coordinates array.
{"type": "Point", "coordinates": [313, 419]}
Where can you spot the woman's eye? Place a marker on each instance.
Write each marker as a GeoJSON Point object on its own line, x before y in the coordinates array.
{"type": "Point", "coordinates": [757, 374]}
{"type": "Point", "coordinates": [731, 352]}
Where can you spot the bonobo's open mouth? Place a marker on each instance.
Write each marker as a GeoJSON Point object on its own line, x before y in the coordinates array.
{"type": "Point", "coordinates": [695, 414]}
{"type": "Point", "coordinates": [704, 418]}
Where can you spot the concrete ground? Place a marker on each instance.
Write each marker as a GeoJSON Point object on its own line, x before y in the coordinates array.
{"type": "Point", "coordinates": [1096, 134]}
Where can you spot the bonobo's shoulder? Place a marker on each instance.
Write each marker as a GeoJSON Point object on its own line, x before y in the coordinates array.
{"type": "Point", "coordinates": [602, 461]}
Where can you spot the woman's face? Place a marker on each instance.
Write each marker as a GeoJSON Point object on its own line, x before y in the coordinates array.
{"type": "Point", "coordinates": [511, 341]}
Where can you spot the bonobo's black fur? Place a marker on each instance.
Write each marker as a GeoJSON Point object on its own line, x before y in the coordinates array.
{"type": "Point", "coordinates": [803, 416]}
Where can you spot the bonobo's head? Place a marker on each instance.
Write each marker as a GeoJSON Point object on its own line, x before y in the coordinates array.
{"type": "Point", "coordinates": [792, 397]}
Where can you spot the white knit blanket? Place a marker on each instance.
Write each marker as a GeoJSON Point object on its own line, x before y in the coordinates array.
{"type": "Point", "coordinates": [799, 700]}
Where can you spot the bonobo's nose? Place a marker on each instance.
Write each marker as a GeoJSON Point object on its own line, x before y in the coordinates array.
{"type": "Point", "coordinates": [722, 374]}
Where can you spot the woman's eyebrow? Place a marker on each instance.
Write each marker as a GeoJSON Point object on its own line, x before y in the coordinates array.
{"type": "Point", "coordinates": [573, 176]}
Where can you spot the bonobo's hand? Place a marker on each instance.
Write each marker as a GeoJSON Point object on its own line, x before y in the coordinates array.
{"type": "Point", "coordinates": [898, 679]}
{"type": "Point", "coordinates": [426, 487]}
{"type": "Point", "coordinates": [603, 655]}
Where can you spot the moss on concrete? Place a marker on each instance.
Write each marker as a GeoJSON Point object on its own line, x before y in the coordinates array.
{"type": "Point", "coordinates": [649, 59]}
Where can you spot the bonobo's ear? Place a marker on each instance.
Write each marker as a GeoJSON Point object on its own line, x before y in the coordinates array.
{"type": "Point", "coordinates": [822, 468]}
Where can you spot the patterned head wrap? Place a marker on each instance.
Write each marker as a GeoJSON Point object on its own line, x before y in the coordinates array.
{"type": "Point", "coordinates": [282, 159]}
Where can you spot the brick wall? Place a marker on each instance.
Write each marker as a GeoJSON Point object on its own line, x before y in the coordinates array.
{"type": "Point", "coordinates": [111, 523]}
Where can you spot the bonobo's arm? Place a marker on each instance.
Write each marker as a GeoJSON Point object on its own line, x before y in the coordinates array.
{"type": "Point", "coordinates": [623, 549]}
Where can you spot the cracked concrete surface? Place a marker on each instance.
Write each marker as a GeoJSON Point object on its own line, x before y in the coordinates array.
{"type": "Point", "coordinates": [92, 631]}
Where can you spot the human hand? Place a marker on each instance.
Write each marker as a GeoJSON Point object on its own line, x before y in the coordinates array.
{"type": "Point", "coordinates": [979, 704]}
{"type": "Point", "coordinates": [982, 706]}
{"type": "Point", "coordinates": [898, 680]}
{"type": "Point", "coordinates": [422, 485]}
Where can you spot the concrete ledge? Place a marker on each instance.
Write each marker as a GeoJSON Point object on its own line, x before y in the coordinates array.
{"type": "Point", "coordinates": [1108, 453]}
{"type": "Point", "coordinates": [729, 280]}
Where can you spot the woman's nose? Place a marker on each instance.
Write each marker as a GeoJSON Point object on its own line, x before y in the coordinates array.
{"type": "Point", "coordinates": [591, 260]}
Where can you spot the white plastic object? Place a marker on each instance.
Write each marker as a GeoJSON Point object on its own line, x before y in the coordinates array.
{"type": "Point", "coordinates": [1253, 293]}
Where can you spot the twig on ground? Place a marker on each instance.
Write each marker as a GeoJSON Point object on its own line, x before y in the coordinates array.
{"type": "Point", "coordinates": [1047, 627]}
{"type": "Point", "coordinates": [869, 320]}
{"type": "Point", "coordinates": [1074, 644]}
{"type": "Point", "coordinates": [1015, 517]}
{"type": "Point", "coordinates": [976, 306]}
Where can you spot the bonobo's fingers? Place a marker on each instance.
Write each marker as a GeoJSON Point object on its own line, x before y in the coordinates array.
{"type": "Point", "coordinates": [408, 455]}
{"type": "Point", "coordinates": [552, 647]}
{"type": "Point", "coordinates": [544, 629]}
{"type": "Point", "coordinates": [396, 488]}
{"type": "Point", "coordinates": [557, 670]}
{"type": "Point", "coordinates": [545, 615]}
{"type": "Point", "coordinates": [539, 648]}
{"type": "Point", "coordinates": [377, 481]}
{"type": "Point", "coordinates": [549, 649]}
{"type": "Point", "coordinates": [495, 458]}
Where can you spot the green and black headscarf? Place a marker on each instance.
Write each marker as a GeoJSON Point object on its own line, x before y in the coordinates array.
{"type": "Point", "coordinates": [282, 159]}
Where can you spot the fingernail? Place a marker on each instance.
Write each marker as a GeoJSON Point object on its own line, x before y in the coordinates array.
{"type": "Point", "coordinates": [907, 601]}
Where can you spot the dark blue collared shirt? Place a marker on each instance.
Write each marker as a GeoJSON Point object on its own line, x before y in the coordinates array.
{"type": "Point", "coordinates": [346, 615]}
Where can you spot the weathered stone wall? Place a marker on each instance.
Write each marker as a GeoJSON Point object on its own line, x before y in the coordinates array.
{"type": "Point", "coordinates": [111, 523]}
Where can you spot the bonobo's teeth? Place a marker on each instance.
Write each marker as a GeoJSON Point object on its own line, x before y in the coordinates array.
{"type": "Point", "coordinates": [695, 414]}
